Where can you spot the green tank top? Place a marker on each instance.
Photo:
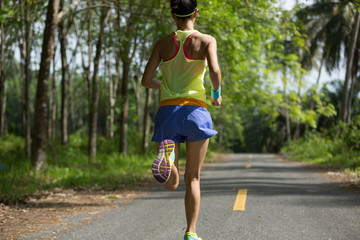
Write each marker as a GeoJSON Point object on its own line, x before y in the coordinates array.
{"type": "Point", "coordinates": [183, 76]}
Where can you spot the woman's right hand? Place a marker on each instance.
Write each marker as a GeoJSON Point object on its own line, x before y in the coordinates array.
{"type": "Point", "coordinates": [216, 102]}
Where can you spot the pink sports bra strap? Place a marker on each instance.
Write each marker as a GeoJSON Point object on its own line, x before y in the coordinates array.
{"type": "Point", "coordinates": [186, 47]}
{"type": "Point", "coordinates": [177, 47]}
{"type": "Point", "coordinates": [175, 40]}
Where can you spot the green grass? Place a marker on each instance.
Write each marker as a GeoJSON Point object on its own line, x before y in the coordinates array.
{"type": "Point", "coordinates": [70, 168]}
{"type": "Point", "coordinates": [327, 150]}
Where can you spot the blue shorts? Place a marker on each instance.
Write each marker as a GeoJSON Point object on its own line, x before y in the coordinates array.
{"type": "Point", "coordinates": [182, 123]}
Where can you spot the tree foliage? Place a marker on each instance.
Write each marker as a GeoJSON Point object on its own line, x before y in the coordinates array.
{"type": "Point", "coordinates": [264, 53]}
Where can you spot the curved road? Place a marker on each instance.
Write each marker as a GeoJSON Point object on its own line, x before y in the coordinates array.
{"type": "Point", "coordinates": [245, 197]}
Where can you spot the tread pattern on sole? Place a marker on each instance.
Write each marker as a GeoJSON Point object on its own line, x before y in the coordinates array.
{"type": "Point", "coordinates": [161, 167]}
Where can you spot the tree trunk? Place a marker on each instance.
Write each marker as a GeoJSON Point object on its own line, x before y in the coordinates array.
{"type": "Point", "coordinates": [127, 54]}
{"type": "Point", "coordinates": [2, 80]}
{"type": "Point", "coordinates": [124, 102]}
{"type": "Point", "coordinates": [64, 82]}
{"type": "Point", "coordinates": [352, 88]}
{"type": "Point", "coordinates": [110, 120]}
{"type": "Point", "coordinates": [354, 92]}
{"type": "Point", "coordinates": [39, 143]}
{"type": "Point", "coordinates": [52, 136]}
{"type": "Point", "coordinates": [94, 97]}
{"type": "Point", "coordinates": [287, 116]}
{"type": "Point", "coordinates": [73, 117]}
{"type": "Point", "coordinates": [27, 42]}
{"type": "Point", "coordinates": [71, 92]}
{"type": "Point", "coordinates": [27, 82]}
{"type": "Point", "coordinates": [136, 85]}
{"type": "Point", "coordinates": [52, 103]}
{"type": "Point", "coordinates": [3, 111]}
{"type": "Point", "coordinates": [89, 43]}
{"type": "Point", "coordinates": [3, 124]}
{"type": "Point", "coordinates": [113, 85]}
{"type": "Point", "coordinates": [288, 127]}
{"type": "Point", "coordinates": [344, 111]}
{"type": "Point", "coordinates": [146, 127]}
{"type": "Point", "coordinates": [86, 67]}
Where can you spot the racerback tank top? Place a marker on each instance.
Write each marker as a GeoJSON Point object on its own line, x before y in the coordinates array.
{"type": "Point", "coordinates": [183, 76]}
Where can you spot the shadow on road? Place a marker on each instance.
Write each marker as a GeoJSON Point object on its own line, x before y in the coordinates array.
{"type": "Point", "coordinates": [266, 177]}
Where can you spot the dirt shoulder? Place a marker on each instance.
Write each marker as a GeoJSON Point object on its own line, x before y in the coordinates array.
{"type": "Point", "coordinates": [49, 208]}
{"type": "Point", "coordinates": [336, 176]}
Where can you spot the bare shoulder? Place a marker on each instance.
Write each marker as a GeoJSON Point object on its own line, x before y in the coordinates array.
{"type": "Point", "coordinates": [164, 41]}
{"type": "Point", "coordinates": [205, 38]}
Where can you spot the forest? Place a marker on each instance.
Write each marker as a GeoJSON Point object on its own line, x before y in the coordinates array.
{"type": "Point", "coordinates": [73, 112]}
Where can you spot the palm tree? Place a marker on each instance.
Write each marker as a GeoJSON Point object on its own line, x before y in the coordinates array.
{"type": "Point", "coordinates": [333, 27]}
{"type": "Point", "coordinates": [345, 113]}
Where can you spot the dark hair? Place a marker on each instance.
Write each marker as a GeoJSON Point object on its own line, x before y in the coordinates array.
{"type": "Point", "coordinates": [183, 7]}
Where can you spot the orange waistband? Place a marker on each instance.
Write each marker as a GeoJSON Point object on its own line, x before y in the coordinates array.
{"type": "Point", "coordinates": [183, 101]}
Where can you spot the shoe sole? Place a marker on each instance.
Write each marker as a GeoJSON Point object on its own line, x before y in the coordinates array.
{"type": "Point", "coordinates": [161, 167]}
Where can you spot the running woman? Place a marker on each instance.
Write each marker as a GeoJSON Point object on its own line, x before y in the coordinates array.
{"type": "Point", "coordinates": [182, 115]}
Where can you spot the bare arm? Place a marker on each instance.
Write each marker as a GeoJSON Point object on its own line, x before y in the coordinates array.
{"type": "Point", "coordinates": [214, 69]}
{"type": "Point", "coordinates": [148, 79]}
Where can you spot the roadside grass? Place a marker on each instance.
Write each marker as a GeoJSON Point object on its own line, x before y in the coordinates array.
{"type": "Point", "coordinates": [69, 167]}
{"type": "Point", "coordinates": [326, 151]}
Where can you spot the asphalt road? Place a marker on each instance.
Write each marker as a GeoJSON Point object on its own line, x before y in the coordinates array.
{"type": "Point", "coordinates": [277, 200]}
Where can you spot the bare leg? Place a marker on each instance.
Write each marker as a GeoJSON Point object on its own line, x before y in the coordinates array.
{"type": "Point", "coordinates": [173, 181]}
{"type": "Point", "coordinates": [195, 156]}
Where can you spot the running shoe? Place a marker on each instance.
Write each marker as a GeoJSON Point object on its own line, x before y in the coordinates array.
{"type": "Point", "coordinates": [161, 167]}
{"type": "Point", "coordinates": [191, 236]}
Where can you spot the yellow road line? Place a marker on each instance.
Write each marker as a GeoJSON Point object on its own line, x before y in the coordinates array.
{"type": "Point", "coordinates": [250, 159]}
{"type": "Point", "coordinates": [240, 201]}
